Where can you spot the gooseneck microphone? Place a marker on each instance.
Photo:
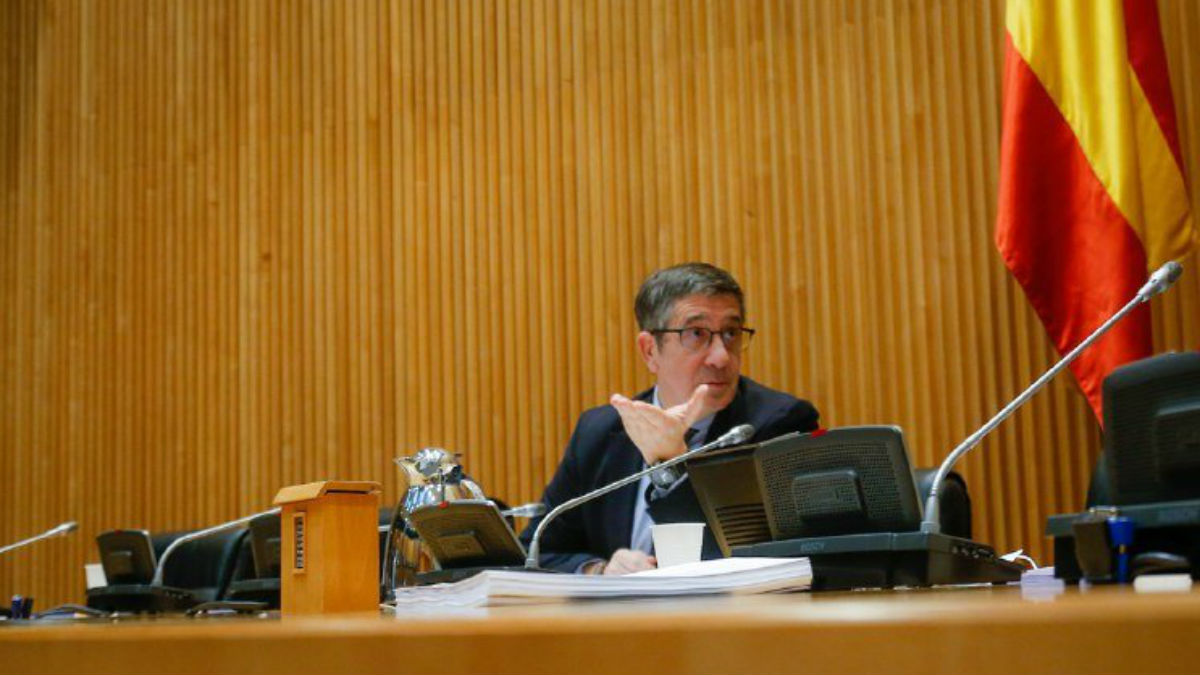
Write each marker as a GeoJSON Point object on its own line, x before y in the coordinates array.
{"type": "Point", "coordinates": [736, 435]}
{"type": "Point", "coordinates": [1159, 282]}
{"type": "Point", "coordinates": [57, 531]}
{"type": "Point", "coordinates": [200, 534]}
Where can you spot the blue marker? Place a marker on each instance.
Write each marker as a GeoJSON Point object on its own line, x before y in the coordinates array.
{"type": "Point", "coordinates": [1120, 533]}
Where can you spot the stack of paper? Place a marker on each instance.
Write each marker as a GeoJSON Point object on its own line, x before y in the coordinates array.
{"type": "Point", "coordinates": [726, 575]}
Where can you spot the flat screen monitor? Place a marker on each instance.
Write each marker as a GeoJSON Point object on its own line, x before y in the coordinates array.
{"type": "Point", "coordinates": [851, 480]}
{"type": "Point", "coordinates": [127, 556]}
{"type": "Point", "coordinates": [467, 533]}
{"type": "Point", "coordinates": [1152, 430]}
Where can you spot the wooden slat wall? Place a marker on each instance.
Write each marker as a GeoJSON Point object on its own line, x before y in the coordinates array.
{"type": "Point", "coordinates": [245, 245]}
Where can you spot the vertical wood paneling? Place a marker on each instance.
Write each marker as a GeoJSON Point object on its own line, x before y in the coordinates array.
{"type": "Point", "coordinates": [244, 245]}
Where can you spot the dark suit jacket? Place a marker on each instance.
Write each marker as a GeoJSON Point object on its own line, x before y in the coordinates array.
{"type": "Point", "coordinates": [600, 452]}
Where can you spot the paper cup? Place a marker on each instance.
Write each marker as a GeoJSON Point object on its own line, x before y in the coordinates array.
{"type": "Point", "coordinates": [677, 543]}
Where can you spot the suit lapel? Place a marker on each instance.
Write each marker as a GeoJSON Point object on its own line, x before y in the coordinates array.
{"type": "Point", "coordinates": [621, 458]}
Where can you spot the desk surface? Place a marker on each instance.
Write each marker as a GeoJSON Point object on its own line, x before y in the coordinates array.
{"type": "Point", "coordinates": [980, 630]}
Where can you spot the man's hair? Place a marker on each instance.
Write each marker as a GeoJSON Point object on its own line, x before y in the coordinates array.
{"type": "Point", "coordinates": [657, 296]}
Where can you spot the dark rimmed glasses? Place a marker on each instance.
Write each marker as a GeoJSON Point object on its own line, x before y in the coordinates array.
{"type": "Point", "coordinates": [699, 338]}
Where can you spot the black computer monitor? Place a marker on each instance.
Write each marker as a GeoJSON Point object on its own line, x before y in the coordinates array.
{"type": "Point", "coordinates": [467, 533]}
{"type": "Point", "coordinates": [127, 556]}
{"type": "Point", "coordinates": [1152, 430]}
{"type": "Point", "coordinates": [850, 480]}
{"type": "Point", "coordinates": [848, 500]}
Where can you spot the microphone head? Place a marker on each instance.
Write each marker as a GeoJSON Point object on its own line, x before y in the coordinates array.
{"type": "Point", "coordinates": [530, 510]}
{"type": "Point", "coordinates": [1162, 279]}
{"type": "Point", "coordinates": [1174, 270]}
{"type": "Point", "coordinates": [66, 528]}
{"type": "Point", "coordinates": [739, 434]}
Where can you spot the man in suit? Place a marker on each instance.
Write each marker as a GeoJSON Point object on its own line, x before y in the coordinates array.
{"type": "Point", "coordinates": [692, 337]}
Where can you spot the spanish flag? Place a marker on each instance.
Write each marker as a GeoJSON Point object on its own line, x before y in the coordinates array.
{"type": "Point", "coordinates": [1092, 187]}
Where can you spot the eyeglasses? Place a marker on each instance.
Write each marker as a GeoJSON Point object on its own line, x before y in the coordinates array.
{"type": "Point", "coordinates": [699, 338]}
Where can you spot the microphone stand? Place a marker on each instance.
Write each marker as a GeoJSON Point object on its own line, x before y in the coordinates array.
{"type": "Point", "coordinates": [60, 530]}
{"type": "Point", "coordinates": [738, 434]}
{"type": "Point", "coordinates": [1158, 283]}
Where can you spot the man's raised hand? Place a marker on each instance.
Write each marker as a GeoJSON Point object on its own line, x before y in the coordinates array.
{"type": "Point", "coordinates": [657, 432]}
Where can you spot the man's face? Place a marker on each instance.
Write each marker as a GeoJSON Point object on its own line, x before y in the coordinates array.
{"type": "Point", "coordinates": [678, 370]}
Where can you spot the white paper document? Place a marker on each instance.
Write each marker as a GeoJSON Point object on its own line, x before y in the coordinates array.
{"type": "Point", "coordinates": [725, 575]}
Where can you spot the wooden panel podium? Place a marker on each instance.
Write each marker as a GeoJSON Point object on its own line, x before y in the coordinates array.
{"type": "Point", "coordinates": [329, 547]}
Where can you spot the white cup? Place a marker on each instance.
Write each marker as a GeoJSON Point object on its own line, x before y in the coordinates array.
{"type": "Point", "coordinates": [94, 573]}
{"type": "Point", "coordinates": [677, 543]}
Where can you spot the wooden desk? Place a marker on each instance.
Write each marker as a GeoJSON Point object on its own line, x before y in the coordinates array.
{"type": "Point", "coordinates": [969, 630]}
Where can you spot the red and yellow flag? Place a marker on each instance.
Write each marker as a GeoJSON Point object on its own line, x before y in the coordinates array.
{"type": "Point", "coordinates": [1092, 186]}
